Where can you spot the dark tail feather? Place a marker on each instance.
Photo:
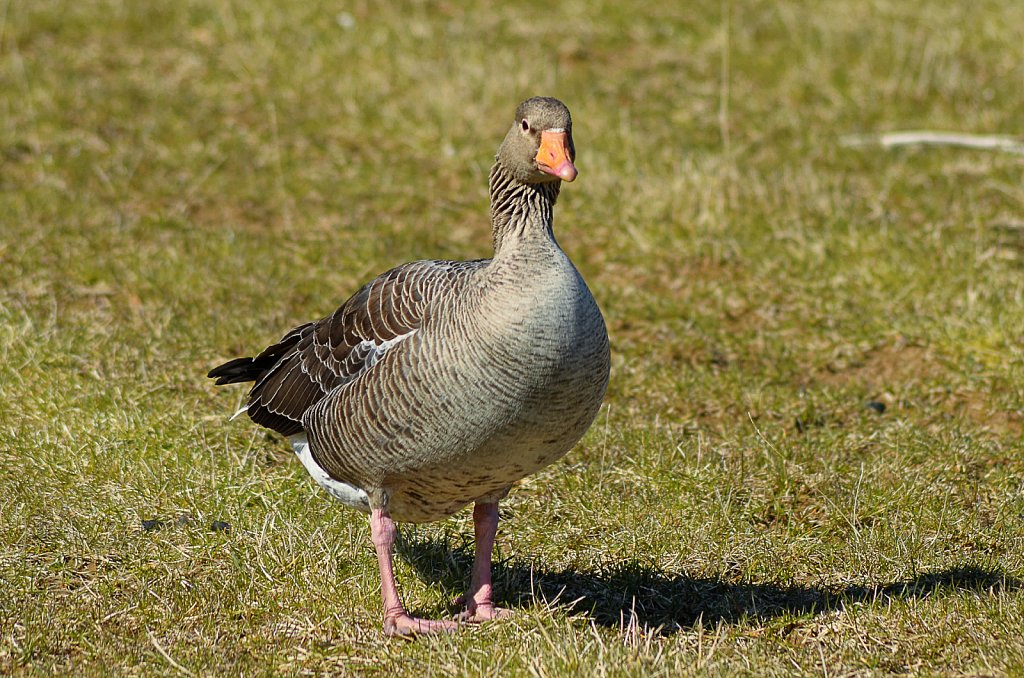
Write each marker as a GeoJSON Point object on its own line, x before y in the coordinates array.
{"type": "Point", "coordinates": [237, 371]}
{"type": "Point", "coordinates": [251, 369]}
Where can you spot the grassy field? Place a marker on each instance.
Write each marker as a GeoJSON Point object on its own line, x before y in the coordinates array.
{"type": "Point", "coordinates": [182, 181]}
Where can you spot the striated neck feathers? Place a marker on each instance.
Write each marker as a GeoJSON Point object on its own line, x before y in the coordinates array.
{"type": "Point", "coordinates": [520, 211]}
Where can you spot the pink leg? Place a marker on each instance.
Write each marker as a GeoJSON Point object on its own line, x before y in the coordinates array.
{"type": "Point", "coordinates": [479, 600]}
{"type": "Point", "coordinates": [397, 621]}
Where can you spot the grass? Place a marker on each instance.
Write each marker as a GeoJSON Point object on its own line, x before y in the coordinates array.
{"type": "Point", "coordinates": [182, 181]}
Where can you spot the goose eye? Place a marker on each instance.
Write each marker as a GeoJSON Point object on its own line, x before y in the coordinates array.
{"type": "Point", "coordinates": [526, 125]}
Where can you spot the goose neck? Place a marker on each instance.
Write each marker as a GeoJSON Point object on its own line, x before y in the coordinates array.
{"type": "Point", "coordinates": [520, 212]}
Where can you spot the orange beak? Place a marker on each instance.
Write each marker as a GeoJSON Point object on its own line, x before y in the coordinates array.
{"type": "Point", "coordinates": [555, 155]}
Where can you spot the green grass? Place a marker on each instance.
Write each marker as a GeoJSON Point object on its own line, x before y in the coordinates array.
{"type": "Point", "coordinates": [180, 182]}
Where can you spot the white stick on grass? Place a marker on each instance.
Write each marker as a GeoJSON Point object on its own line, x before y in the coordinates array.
{"type": "Point", "coordinates": [1006, 144]}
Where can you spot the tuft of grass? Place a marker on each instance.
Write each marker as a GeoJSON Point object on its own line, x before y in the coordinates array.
{"type": "Point", "coordinates": [182, 181]}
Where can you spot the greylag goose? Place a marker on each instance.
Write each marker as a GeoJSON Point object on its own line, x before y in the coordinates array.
{"type": "Point", "coordinates": [442, 383]}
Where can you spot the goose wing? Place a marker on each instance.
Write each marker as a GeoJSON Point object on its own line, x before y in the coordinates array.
{"type": "Point", "coordinates": [313, 359]}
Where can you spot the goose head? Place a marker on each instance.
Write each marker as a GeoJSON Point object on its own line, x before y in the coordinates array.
{"type": "Point", "coordinates": [538, 148]}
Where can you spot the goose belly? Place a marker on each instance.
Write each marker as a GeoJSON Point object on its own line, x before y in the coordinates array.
{"type": "Point", "coordinates": [546, 404]}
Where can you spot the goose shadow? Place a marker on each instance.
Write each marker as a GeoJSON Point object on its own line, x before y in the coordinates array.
{"type": "Point", "coordinates": [634, 593]}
